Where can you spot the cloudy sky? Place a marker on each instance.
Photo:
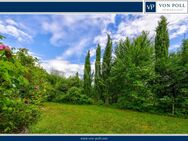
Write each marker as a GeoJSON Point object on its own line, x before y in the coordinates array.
{"type": "Point", "coordinates": [62, 41]}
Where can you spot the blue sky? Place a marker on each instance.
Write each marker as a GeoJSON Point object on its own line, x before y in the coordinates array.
{"type": "Point", "coordinates": [61, 41]}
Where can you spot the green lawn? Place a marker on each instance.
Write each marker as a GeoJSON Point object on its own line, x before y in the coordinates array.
{"type": "Point", "coordinates": [70, 119]}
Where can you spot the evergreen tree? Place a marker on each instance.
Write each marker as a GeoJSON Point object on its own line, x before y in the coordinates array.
{"type": "Point", "coordinates": [98, 73]}
{"type": "Point", "coordinates": [106, 67]}
{"type": "Point", "coordinates": [173, 84]}
{"type": "Point", "coordinates": [162, 63]}
{"type": "Point", "coordinates": [170, 74]}
{"type": "Point", "coordinates": [161, 40]}
{"type": "Point", "coordinates": [185, 52]}
{"type": "Point", "coordinates": [161, 47]}
{"type": "Point", "coordinates": [184, 76]}
{"type": "Point", "coordinates": [87, 75]}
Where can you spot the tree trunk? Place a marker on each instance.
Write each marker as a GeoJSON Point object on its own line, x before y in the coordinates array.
{"type": "Point", "coordinates": [106, 100]}
{"type": "Point", "coordinates": [173, 105]}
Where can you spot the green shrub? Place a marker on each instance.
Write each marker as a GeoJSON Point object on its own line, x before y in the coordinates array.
{"type": "Point", "coordinates": [15, 115]}
{"type": "Point", "coordinates": [99, 102]}
{"type": "Point", "coordinates": [22, 88]}
{"type": "Point", "coordinates": [58, 96]}
{"type": "Point", "coordinates": [74, 96]}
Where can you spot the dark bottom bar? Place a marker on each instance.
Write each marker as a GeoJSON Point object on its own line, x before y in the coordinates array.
{"type": "Point", "coordinates": [94, 138]}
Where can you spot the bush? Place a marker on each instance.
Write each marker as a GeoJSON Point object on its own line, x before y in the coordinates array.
{"type": "Point", "coordinates": [22, 88]}
{"type": "Point", "coordinates": [59, 85]}
{"type": "Point", "coordinates": [15, 115]}
{"type": "Point", "coordinates": [99, 102]}
{"type": "Point", "coordinates": [74, 96]}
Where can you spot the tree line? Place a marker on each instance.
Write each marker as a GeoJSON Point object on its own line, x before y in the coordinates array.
{"type": "Point", "coordinates": [142, 76]}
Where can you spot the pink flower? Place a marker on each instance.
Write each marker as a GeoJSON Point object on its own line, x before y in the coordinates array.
{"type": "Point", "coordinates": [4, 47]}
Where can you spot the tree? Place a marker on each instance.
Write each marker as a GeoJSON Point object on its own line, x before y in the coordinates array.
{"type": "Point", "coordinates": [97, 86]}
{"type": "Point", "coordinates": [132, 72]}
{"type": "Point", "coordinates": [171, 71]}
{"type": "Point", "coordinates": [184, 75]}
{"type": "Point", "coordinates": [106, 68]}
{"type": "Point", "coordinates": [174, 85]}
{"type": "Point", "coordinates": [161, 45]}
{"type": "Point", "coordinates": [185, 52]}
{"type": "Point", "coordinates": [162, 66]}
{"type": "Point", "coordinates": [77, 75]}
{"type": "Point", "coordinates": [87, 75]}
{"type": "Point", "coordinates": [161, 39]}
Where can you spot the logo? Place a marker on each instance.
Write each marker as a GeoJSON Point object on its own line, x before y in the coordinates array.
{"type": "Point", "coordinates": [178, 6]}
{"type": "Point", "coordinates": [150, 6]}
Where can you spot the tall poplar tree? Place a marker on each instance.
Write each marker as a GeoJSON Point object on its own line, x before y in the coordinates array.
{"type": "Point", "coordinates": [161, 39]}
{"type": "Point", "coordinates": [87, 75]}
{"type": "Point", "coordinates": [185, 52]}
{"type": "Point", "coordinates": [106, 68]}
{"type": "Point", "coordinates": [98, 73]}
{"type": "Point", "coordinates": [163, 68]}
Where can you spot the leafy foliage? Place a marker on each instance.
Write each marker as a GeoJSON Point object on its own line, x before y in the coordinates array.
{"type": "Point", "coordinates": [87, 75]}
{"type": "Point", "coordinates": [60, 86]}
{"type": "Point", "coordinates": [143, 76]}
{"type": "Point", "coordinates": [97, 85]}
{"type": "Point", "coordinates": [74, 96]}
{"type": "Point", "coordinates": [132, 73]}
{"type": "Point", "coordinates": [106, 68]}
{"type": "Point", "coordinates": [22, 88]}
{"type": "Point", "coordinates": [161, 39]}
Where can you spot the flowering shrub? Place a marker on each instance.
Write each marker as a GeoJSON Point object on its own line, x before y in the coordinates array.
{"type": "Point", "coordinates": [5, 52]}
{"type": "Point", "coordinates": [22, 88]}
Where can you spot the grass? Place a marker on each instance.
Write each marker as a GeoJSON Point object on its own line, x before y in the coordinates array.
{"type": "Point", "coordinates": [80, 119]}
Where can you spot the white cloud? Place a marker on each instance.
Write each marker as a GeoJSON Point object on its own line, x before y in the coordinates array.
{"type": "Point", "coordinates": [11, 28]}
{"type": "Point", "coordinates": [55, 30]}
{"type": "Point", "coordinates": [64, 66]}
{"type": "Point", "coordinates": [180, 30]}
{"type": "Point", "coordinates": [76, 49]}
{"type": "Point", "coordinates": [11, 22]}
{"type": "Point", "coordinates": [69, 28]}
{"type": "Point", "coordinates": [76, 32]}
{"type": "Point", "coordinates": [38, 56]}
{"type": "Point", "coordinates": [102, 39]}
{"type": "Point", "coordinates": [174, 47]}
